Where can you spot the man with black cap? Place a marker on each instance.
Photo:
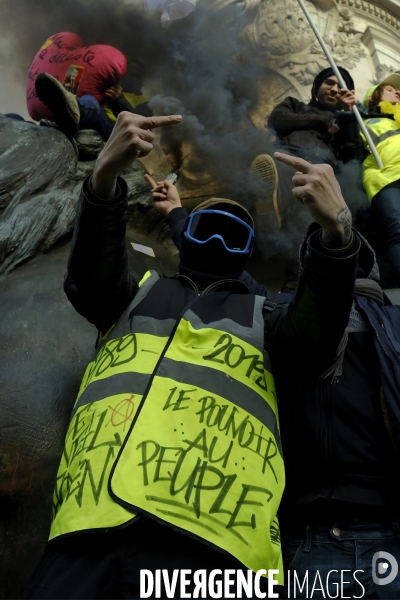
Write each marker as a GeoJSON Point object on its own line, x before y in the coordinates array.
{"type": "Point", "coordinates": [172, 468]}
{"type": "Point", "coordinates": [322, 131]}
{"type": "Point", "coordinates": [313, 131]}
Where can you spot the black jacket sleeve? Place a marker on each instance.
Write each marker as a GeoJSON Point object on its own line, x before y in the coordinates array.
{"type": "Point", "coordinates": [176, 221]}
{"type": "Point", "coordinates": [288, 117]}
{"type": "Point", "coordinates": [122, 104]}
{"type": "Point", "coordinates": [305, 334]}
{"type": "Point", "coordinates": [98, 282]}
{"type": "Point", "coordinates": [347, 141]}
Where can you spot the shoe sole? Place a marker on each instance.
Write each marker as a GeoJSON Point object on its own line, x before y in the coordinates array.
{"type": "Point", "coordinates": [54, 98]}
{"type": "Point", "coordinates": [263, 170]}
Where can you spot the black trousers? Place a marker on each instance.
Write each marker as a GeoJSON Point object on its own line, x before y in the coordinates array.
{"type": "Point", "coordinates": [387, 204]}
{"type": "Point", "coordinates": [108, 564]}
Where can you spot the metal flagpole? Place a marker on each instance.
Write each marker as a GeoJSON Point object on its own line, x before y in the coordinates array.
{"type": "Point", "coordinates": [342, 84]}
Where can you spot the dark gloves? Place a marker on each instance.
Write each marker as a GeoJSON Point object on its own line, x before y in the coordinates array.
{"type": "Point", "coordinates": [345, 118]}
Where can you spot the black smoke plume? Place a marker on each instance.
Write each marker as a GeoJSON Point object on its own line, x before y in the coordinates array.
{"type": "Point", "coordinates": [193, 68]}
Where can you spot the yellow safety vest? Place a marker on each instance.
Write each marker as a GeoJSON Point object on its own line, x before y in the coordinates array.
{"type": "Point", "coordinates": [178, 419]}
{"type": "Point", "coordinates": [385, 135]}
{"type": "Point", "coordinates": [134, 99]}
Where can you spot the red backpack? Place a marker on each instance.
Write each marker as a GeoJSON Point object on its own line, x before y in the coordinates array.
{"type": "Point", "coordinates": [81, 69]}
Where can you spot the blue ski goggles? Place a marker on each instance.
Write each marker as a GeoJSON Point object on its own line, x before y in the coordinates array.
{"type": "Point", "coordinates": [205, 225]}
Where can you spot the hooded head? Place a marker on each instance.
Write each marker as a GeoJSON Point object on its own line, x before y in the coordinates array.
{"type": "Point", "coordinates": [219, 243]}
{"type": "Point", "coordinates": [323, 96]}
{"type": "Point", "coordinates": [134, 78]}
{"type": "Point", "coordinates": [374, 95]}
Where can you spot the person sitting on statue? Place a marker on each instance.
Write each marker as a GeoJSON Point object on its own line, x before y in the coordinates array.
{"type": "Point", "coordinates": [383, 185]}
{"type": "Point", "coordinates": [72, 113]}
{"type": "Point", "coordinates": [173, 457]}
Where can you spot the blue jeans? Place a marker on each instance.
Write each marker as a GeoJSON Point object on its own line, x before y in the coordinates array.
{"type": "Point", "coordinates": [94, 117]}
{"type": "Point", "coordinates": [387, 204]}
{"type": "Point", "coordinates": [338, 558]}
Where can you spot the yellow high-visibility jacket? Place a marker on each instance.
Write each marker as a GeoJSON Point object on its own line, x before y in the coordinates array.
{"type": "Point", "coordinates": [134, 99]}
{"type": "Point", "coordinates": [177, 418]}
{"type": "Point", "coordinates": [385, 135]}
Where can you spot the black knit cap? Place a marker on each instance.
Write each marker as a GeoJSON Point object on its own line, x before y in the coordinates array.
{"type": "Point", "coordinates": [320, 78]}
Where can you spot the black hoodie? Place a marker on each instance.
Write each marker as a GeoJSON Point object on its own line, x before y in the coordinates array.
{"type": "Point", "coordinates": [335, 441]}
{"type": "Point", "coordinates": [302, 130]}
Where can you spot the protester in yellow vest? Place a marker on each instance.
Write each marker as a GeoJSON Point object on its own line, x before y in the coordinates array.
{"type": "Point", "coordinates": [383, 185]}
{"type": "Point", "coordinates": [172, 469]}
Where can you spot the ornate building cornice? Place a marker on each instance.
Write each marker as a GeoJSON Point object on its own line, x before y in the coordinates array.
{"type": "Point", "coordinates": [387, 13]}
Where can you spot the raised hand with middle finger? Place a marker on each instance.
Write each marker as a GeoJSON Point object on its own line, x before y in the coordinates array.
{"type": "Point", "coordinates": [317, 188]}
{"type": "Point", "coordinates": [131, 137]}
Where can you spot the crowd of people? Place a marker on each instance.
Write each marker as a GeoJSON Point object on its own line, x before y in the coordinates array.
{"type": "Point", "coordinates": [233, 386]}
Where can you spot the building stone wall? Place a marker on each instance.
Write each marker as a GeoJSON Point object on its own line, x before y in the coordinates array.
{"type": "Point", "coordinates": [362, 36]}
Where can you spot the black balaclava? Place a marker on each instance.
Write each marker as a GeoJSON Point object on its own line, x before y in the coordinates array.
{"type": "Point", "coordinates": [210, 262]}
{"type": "Point", "coordinates": [328, 73]}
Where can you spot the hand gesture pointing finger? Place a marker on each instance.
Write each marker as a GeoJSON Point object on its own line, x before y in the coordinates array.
{"type": "Point", "coordinates": [318, 189]}
{"type": "Point", "coordinates": [131, 137]}
{"type": "Point", "coordinates": [165, 195]}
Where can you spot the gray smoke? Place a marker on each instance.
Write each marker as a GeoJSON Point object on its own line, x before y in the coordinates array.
{"type": "Point", "coordinates": [193, 68]}
{"type": "Point", "coordinates": [193, 62]}
{"type": "Point", "coordinates": [116, 23]}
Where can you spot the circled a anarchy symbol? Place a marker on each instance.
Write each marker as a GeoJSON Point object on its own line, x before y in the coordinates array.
{"type": "Point", "coordinates": [122, 413]}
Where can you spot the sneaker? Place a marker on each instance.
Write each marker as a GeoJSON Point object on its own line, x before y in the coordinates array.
{"type": "Point", "coordinates": [63, 104]}
{"type": "Point", "coordinates": [264, 186]}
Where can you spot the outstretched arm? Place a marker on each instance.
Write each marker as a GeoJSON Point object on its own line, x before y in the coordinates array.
{"type": "Point", "coordinates": [317, 188]}
{"type": "Point", "coordinates": [98, 281]}
{"type": "Point", "coordinates": [308, 331]}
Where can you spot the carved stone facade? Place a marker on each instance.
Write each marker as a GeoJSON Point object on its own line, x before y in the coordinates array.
{"type": "Point", "coordinates": [362, 36]}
